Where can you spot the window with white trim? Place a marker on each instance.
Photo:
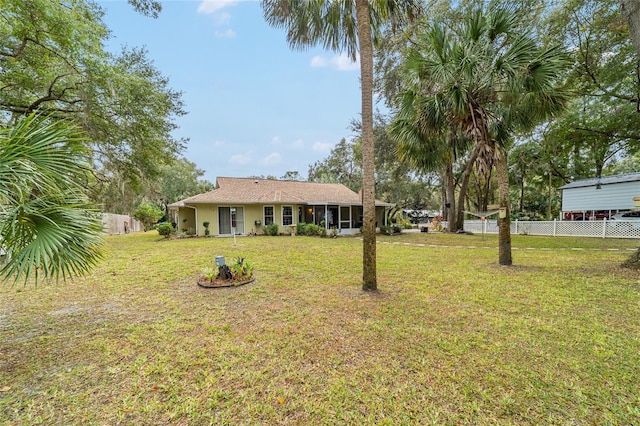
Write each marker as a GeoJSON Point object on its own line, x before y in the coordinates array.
{"type": "Point", "coordinates": [268, 215]}
{"type": "Point", "coordinates": [287, 215]}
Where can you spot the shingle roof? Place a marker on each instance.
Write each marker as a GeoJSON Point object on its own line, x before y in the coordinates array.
{"type": "Point", "coordinates": [604, 180]}
{"type": "Point", "coordinates": [263, 191]}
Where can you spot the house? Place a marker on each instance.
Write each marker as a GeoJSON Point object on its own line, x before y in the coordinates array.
{"type": "Point", "coordinates": [600, 198]}
{"type": "Point", "coordinates": [247, 205]}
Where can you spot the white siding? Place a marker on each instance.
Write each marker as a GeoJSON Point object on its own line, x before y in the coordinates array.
{"type": "Point", "coordinates": [617, 196]}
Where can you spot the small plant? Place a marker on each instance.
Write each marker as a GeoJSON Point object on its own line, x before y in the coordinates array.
{"type": "Point", "coordinates": [271, 229]}
{"type": "Point", "coordinates": [165, 229]}
{"type": "Point", "coordinates": [210, 274]}
{"type": "Point", "coordinates": [241, 268]}
{"type": "Point", "coordinates": [206, 228]}
{"type": "Point", "coordinates": [334, 232]}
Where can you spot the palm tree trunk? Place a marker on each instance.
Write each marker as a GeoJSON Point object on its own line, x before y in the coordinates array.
{"type": "Point", "coordinates": [504, 224]}
{"type": "Point", "coordinates": [369, 280]}
{"type": "Point", "coordinates": [450, 198]}
{"type": "Point", "coordinates": [464, 185]}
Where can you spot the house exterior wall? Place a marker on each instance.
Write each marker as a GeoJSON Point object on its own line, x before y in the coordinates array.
{"type": "Point", "coordinates": [618, 196]}
{"type": "Point", "coordinates": [192, 219]}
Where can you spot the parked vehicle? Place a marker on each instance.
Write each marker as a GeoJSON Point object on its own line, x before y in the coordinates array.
{"type": "Point", "coordinates": [634, 215]}
{"type": "Point", "coordinates": [587, 216]}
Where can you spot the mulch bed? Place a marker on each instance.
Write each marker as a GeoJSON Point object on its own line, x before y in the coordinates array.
{"type": "Point", "coordinates": [220, 283]}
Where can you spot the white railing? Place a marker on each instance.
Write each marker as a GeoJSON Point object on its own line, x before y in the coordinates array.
{"type": "Point", "coordinates": [564, 228]}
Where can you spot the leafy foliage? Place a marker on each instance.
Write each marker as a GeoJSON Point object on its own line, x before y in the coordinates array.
{"type": "Point", "coordinates": [165, 229]}
{"type": "Point", "coordinates": [272, 229]}
{"type": "Point", "coordinates": [148, 214]}
{"type": "Point", "coordinates": [53, 60]}
{"type": "Point", "coordinates": [47, 226]}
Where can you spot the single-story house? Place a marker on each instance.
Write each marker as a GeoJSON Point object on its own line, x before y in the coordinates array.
{"type": "Point", "coordinates": [246, 205]}
{"type": "Point", "coordinates": [600, 198]}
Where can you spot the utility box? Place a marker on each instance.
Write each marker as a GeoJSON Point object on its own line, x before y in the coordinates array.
{"type": "Point", "coordinates": [219, 260]}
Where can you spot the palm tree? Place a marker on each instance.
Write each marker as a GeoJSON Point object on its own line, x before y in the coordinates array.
{"type": "Point", "coordinates": [484, 78]}
{"type": "Point", "coordinates": [47, 229]}
{"type": "Point", "coordinates": [352, 26]}
{"type": "Point", "coordinates": [433, 146]}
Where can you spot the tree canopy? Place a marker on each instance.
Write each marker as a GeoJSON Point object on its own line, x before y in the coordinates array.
{"type": "Point", "coordinates": [53, 61]}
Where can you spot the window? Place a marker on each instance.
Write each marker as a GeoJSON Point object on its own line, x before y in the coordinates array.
{"type": "Point", "coordinates": [268, 215]}
{"type": "Point", "coordinates": [287, 215]}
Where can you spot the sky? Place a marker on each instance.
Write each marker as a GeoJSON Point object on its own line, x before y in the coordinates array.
{"type": "Point", "coordinates": [255, 107]}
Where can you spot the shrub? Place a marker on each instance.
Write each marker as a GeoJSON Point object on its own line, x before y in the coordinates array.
{"type": "Point", "coordinates": [206, 229]}
{"type": "Point", "coordinates": [148, 214]}
{"type": "Point", "coordinates": [271, 229]}
{"type": "Point", "coordinates": [396, 229]}
{"type": "Point", "coordinates": [165, 229]}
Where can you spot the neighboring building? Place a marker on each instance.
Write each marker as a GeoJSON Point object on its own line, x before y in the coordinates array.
{"type": "Point", "coordinates": [600, 198]}
{"type": "Point", "coordinates": [247, 205]}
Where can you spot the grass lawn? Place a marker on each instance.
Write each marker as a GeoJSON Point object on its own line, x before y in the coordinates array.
{"type": "Point", "coordinates": [450, 338]}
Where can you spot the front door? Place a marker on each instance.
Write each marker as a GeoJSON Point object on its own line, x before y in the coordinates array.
{"type": "Point", "coordinates": [231, 219]}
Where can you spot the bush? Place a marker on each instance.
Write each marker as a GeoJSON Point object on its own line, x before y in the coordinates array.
{"type": "Point", "coordinates": [271, 229]}
{"type": "Point", "coordinates": [385, 230]}
{"type": "Point", "coordinates": [148, 214]}
{"type": "Point", "coordinates": [311, 230]}
{"type": "Point", "coordinates": [165, 229]}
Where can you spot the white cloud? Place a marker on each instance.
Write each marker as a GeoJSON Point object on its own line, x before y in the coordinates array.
{"type": "Point", "coordinates": [275, 140]}
{"type": "Point", "coordinates": [229, 33]}
{"type": "Point", "coordinates": [272, 159]}
{"type": "Point", "coordinates": [240, 160]}
{"type": "Point", "coordinates": [338, 62]}
{"type": "Point", "coordinates": [210, 7]}
{"type": "Point", "coordinates": [297, 144]}
{"type": "Point", "coordinates": [218, 144]}
{"type": "Point", "coordinates": [322, 146]}
{"type": "Point", "coordinates": [318, 62]}
{"type": "Point", "coordinates": [222, 18]}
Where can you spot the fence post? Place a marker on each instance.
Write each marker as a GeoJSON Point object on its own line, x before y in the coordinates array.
{"type": "Point", "coordinates": [554, 227]}
{"type": "Point", "coordinates": [516, 231]}
{"type": "Point", "coordinates": [604, 228]}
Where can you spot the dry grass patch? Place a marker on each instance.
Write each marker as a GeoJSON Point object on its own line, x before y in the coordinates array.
{"type": "Point", "coordinates": [450, 337]}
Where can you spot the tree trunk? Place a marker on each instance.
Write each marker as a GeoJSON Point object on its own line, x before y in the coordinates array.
{"type": "Point", "coordinates": [369, 280]}
{"type": "Point", "coordinates": [504, 224]}
{"type": "Point", "coordinates": [630, 10]}
{"type": "Point", "coordinates": [450, 198]}
{"type": "Point", "coordinates": [465, 185]}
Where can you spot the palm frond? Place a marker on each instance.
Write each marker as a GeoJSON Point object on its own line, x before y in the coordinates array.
{"type": "Point", "coordinates": [47, 228]}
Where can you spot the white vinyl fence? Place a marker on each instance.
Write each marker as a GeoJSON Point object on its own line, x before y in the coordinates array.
{"type": "Point", "coordinates": [115, 223]}
{"type": "Point", "coordinates": [562, 228]}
